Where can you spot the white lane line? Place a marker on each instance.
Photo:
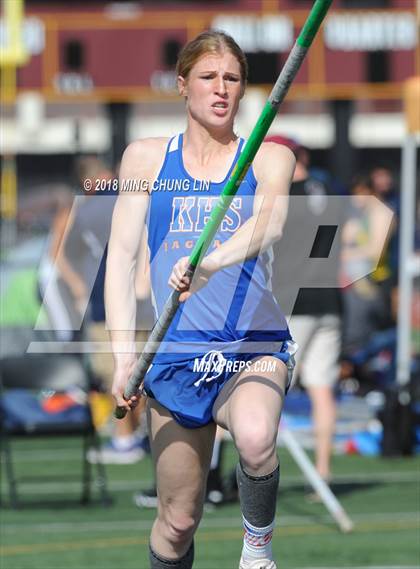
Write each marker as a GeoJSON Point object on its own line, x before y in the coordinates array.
{"type": "Point", "coordinates": [44, 487]}
{"type": "Point", "coordinates": [208, 522]}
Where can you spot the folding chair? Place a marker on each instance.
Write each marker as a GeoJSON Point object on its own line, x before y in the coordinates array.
{"type": "Point", "coordinates": [57, 373]}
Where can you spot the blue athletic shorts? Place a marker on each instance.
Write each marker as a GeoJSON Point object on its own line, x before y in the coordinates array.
{"type": "Point", "coordinates": [189, 388]}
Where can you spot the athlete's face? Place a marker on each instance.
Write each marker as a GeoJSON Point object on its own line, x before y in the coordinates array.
{"type": "Point", "coordinates": [213, 89]}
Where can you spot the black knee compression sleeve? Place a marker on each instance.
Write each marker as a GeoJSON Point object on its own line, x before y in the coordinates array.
{"type": "Point", "coordinates": [158, 562]}
{"type": "Point", "coordinates": [258, 496]}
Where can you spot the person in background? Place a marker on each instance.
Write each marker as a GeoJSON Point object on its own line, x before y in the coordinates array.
{"type": "Point", "coordinates": [367, 312]}
{"type": "Point", "coordinates": [56, 279]}
{"type": "Point", "coordinates": [365, 303]}
{"type": "Point", "coordinates": [84, 252]}
{"type": "Point", "coordinates": [315, 317]}
{"type": "Point", "coordinates": [383, 186]}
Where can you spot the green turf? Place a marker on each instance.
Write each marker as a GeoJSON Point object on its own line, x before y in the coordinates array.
{"type": "Point", "coordinates": [52, 531]}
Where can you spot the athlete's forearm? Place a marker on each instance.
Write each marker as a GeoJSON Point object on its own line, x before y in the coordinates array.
{"type": "Point", "coordinates": [274, 174]}
{"type": "Point", "coordinates": [258, 233]}
{"type": "Point", "coordinates": [120, 291]}
{"type": "Point", "coordinates": [120, 305]}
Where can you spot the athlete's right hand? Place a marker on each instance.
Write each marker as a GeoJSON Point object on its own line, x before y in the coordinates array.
{"type": "Point", "coordinates": [183, 284]}
{"type": "Point", "coordinates": [124, 368]}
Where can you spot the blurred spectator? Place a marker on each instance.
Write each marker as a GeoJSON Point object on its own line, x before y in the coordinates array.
{"type": "Point", "coordinates": [366, 301]}
{"type": "Point", "coordinates": [316, 315]}
{"type": "Point", "coordinates": [56, 278]}
{"type": "Point", "coordinates": [383, 187]}
{"type": "Point", "coordinates": [85, 252]}
{"type": "Point", "coordinates": [382, 184]}
{"type": "Point", "coordinates": [87, 237]}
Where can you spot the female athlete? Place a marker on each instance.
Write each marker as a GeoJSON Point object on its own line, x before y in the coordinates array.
{"type": "Point", "coordinates": [227, 357]}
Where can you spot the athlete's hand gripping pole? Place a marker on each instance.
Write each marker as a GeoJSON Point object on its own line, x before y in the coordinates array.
{"type": "Point", "coordinates": [279, 91]}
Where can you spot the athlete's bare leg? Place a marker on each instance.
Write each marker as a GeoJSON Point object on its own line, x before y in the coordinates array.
{"type": "Point", "coordinates": [249, 406]}
{"type": "Point", "coordinates": [182, 460]}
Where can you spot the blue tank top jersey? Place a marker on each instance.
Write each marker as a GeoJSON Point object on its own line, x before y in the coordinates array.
{"type": "Point", "coordinates": [237, 304]}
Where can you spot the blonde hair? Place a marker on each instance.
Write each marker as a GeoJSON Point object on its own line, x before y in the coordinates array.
{"type": "Point", "coordinates": [210, 41]}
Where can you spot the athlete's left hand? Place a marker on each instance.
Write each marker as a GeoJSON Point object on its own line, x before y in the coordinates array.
{"type": "Point", "coordinates": [201, 277]}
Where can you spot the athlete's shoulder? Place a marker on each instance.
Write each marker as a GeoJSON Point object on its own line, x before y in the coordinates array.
{"type": "Point", "coordinates": [272, 151]}
{"type": "Point", "coordinates": [150, 148]}
{"type": "Point", "coordinates": [144, 156]}
{"type": "Point", "coordinates": [272, 157]}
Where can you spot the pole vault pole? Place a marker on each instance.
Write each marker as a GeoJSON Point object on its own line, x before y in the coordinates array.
{"type": "Point", "coordinates": [316, 481]}
{"type": "Point", "coordinates": [278, 93]}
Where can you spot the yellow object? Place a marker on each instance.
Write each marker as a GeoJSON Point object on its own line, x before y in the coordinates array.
{"type": "Point", "coordinates": [8, 203]}
{"type": "Point", "coordinates": [14, 54]}
{"type": "Point", "coordinates": [412, 104]}
{"type": "Point", "coordinates": [102, 407]}
{"type": "Point", "coordinates": [8, 84]}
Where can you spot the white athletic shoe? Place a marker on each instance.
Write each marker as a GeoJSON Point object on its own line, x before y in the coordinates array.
{"type": "Point", "coordinates": [258, 564]}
